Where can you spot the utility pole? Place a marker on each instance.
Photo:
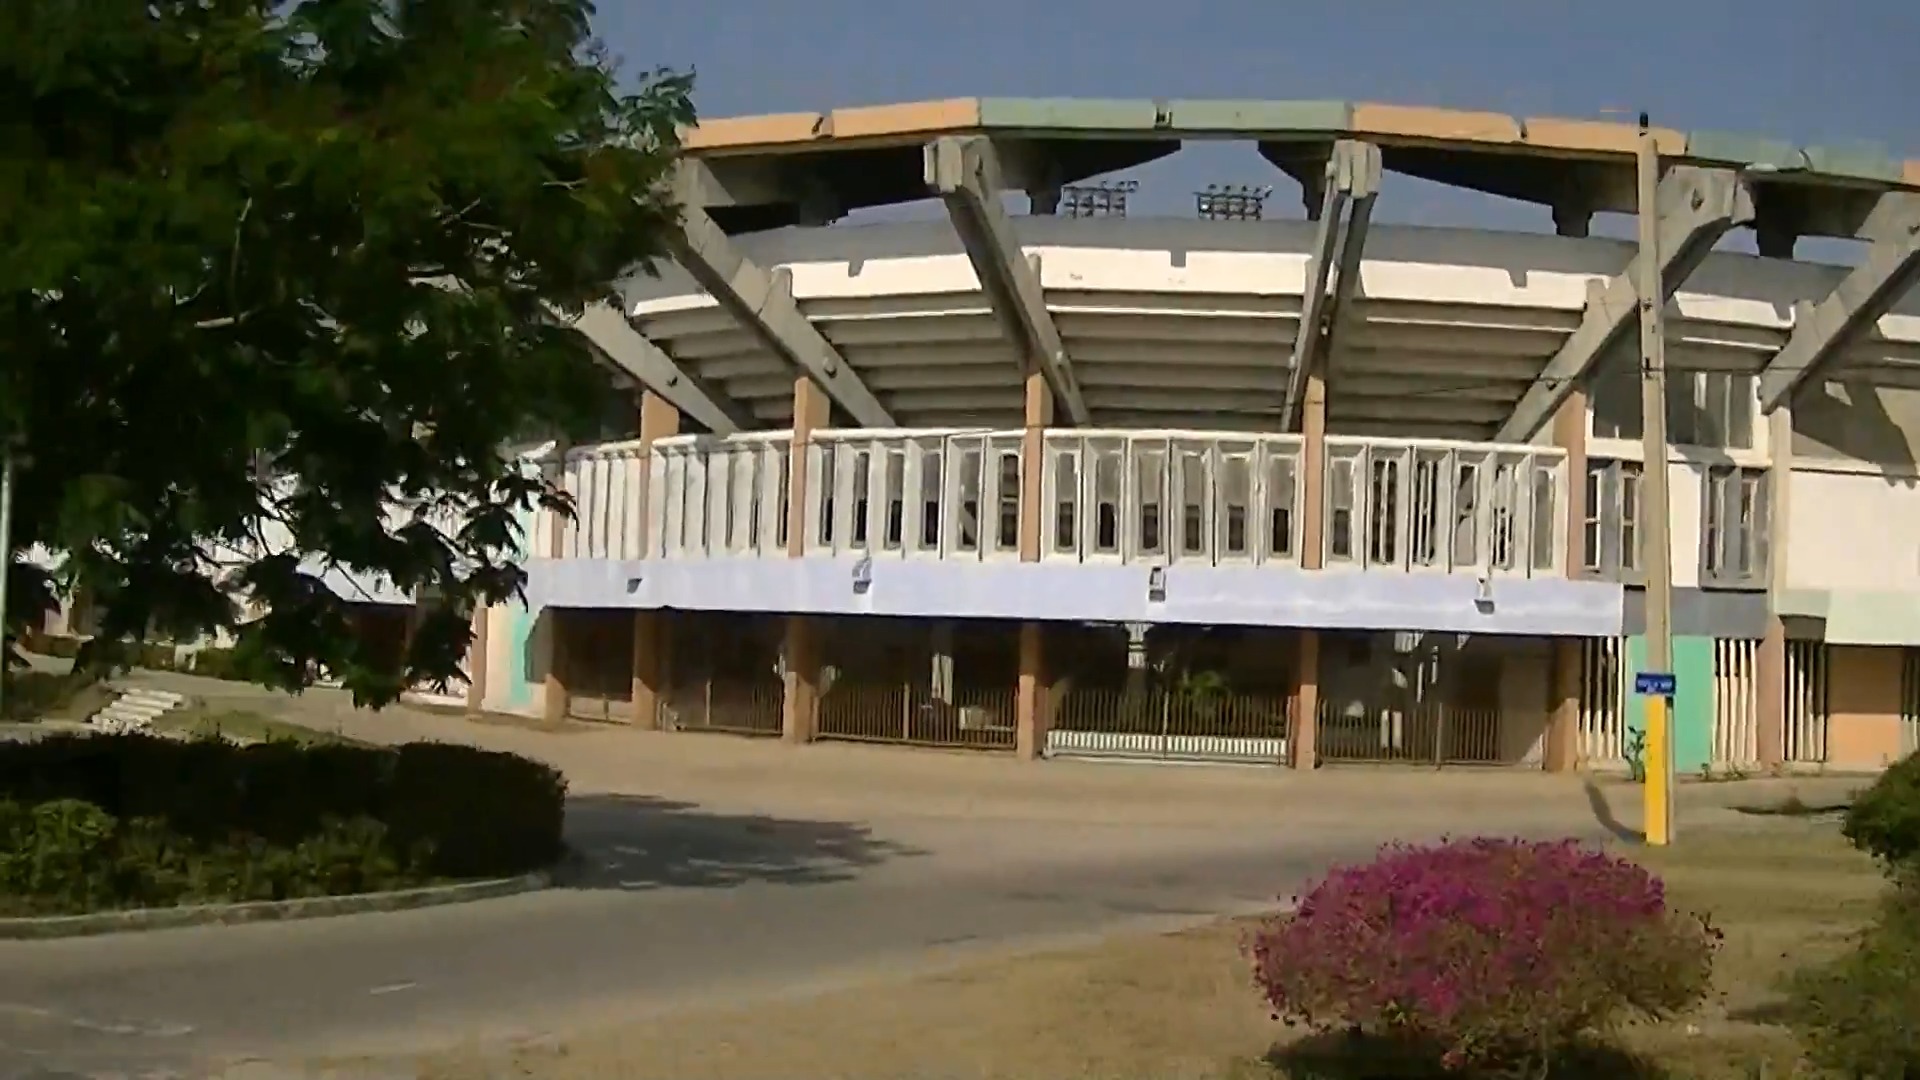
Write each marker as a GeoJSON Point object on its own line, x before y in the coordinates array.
{"type": "Point", "coordinates": [1656, 535]}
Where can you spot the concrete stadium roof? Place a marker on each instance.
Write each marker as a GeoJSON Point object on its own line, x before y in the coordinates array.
{"type": "Point", "coordinates": [850, 151]}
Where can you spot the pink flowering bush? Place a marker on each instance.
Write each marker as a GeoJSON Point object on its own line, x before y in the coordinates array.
{"type": "Point", "coordinates": [1500, 954]}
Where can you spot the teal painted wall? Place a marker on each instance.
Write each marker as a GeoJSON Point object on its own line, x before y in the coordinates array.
{"type": "Point", "coordinates": [1692, 699]}
{"type": "Point", "coordinates": [519, 631]}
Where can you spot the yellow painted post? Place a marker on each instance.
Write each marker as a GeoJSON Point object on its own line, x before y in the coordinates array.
{"type": "Point", "coordinates": [1659, 787]}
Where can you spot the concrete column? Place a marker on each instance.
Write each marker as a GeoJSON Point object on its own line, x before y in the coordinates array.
{"type": "Point", "coordinates": [477, 662]}
{"type": "Point", "coordinates": [1301, 742]}
{"type": "Point", "coordinates": [940, 678]}
{"type": "Point", "coordinates": [1571, 220]}
{"type": "Point", "coordinates": [1563, 723]}
{"type": "Point", "coordinates": [1771, 673]}
{"type": "Point", "coordinates": [554, 697]}
{"type": "Point", "coordinates": [1773, 240]}
{"type": "Point", "coordinates": [652, 630]}
{"type": "Point", "coordinates": [1032, 709]}
{"type": "Point", "coordinates": [800, 651]}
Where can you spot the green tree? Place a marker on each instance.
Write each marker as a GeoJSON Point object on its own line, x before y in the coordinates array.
{"type": "Point", "coordinates": [268, 269]}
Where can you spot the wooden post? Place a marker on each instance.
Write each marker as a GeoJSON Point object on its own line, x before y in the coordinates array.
{"type": "Point", "coordinates": [1032, 708]}
{"type": "Point", "coordinates": [652, 639]}
{"type": "Point", "coordinates": [800, 705]}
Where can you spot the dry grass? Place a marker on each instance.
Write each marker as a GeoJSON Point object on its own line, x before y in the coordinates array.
{"type": "Point", "coordinates": [242, 725]}
{"type": "Point", "coordinates": [1181, 1006]}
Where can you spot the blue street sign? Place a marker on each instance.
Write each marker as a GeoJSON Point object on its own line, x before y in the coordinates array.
{"type": "Point", "coordinates": [1653, 683]}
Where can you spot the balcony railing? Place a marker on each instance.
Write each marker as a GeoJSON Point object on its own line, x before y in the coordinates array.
{"type": "Point", "coordinates": [1171, 496]}
{"type": "Point", "coordinates": [1444, 507]}
{"type": "Point", "coordinates": [1127, 497]}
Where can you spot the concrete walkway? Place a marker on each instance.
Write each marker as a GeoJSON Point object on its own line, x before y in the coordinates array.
{"type": "Point", "coordinates": [719, 868]}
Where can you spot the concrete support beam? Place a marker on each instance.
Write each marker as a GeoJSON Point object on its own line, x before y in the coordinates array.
{"type": "Point", "coordinates": [622, 348]}
{"type": "Point", "coordinates": [1563, 722]}
{"type": "Point", "coordinates": [1771, 665]}
{"type": "Point", "coordinates": [1696, 207]}
{"type": "Point", "coordinates": [652, 633]}
{"type": "Point", "coordinates": [1346, 208]}
{"type": "Point", "coordinates": [965, 173]}
{"type": "Point", "coordinates": [477, 666]}
{"type": "Point", "coordinates": [1302, 743]}
{"type": "Point", "coordinates": [800, 651]}
{"type": "Point", "coordinates": [1033, 704]}
{"type": "Point", "coordinates": [763, 303]}
{"type": "Point", "coordinates": [555, 699]}
{"type": "Point", "coordinates": [1820, 333]}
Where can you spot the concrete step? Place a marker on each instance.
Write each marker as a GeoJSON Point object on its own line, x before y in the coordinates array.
{"type": "Point", "coordinates": [135, 710]}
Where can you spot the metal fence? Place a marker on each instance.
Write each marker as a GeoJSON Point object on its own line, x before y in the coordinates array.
{"type": "Point", "coordinates": [737, 707]}
{"type": "Point", "coordinates": [1430, 733]}
{"type": "Point", "coordinates": [1171, 725]}
{"type": "Point", "coordinates": [970, 717]}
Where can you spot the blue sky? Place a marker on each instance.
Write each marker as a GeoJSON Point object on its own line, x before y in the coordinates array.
{"type": "Point", "coordinates": [1838, 71]}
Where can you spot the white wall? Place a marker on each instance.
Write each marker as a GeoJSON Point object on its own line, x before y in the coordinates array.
{"type": "Point", "coordinates": [1853, 530]}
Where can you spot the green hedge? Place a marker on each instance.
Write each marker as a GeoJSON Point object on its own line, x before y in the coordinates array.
{"type": "Point", "coordinates": [90, 823]}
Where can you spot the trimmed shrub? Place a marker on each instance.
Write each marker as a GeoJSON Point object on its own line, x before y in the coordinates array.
{"type": "Point", "coordinates": [1859, 1015]}
{"type": "Point", "coordinates": [1483, 953]}
{"type": "Point", "coordinates": [134, 820]}
{"type": "Point", "coordinates": [1884, 820]}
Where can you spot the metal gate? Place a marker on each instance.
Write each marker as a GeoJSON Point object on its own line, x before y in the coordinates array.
{"type": "Point", "coordinates": [1806, 735]}
{"type": "Point", "coordinates": [1428, 733]}
{"type": "Point", "coordinates": [1171, 725]}
{"type": "Point", "coordinates": [1736, 702]}
{"type": "Point", "coordinates": [1603, 703]}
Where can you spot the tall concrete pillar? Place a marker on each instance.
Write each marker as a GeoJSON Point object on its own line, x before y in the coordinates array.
{"type": "Point", "coordinates": [1771, 667]}
{"type": "Point", "coordinates": [1033, 705]}
{"type": "Point", "coordinates": [554, 698]}
{"type": "Point", "coordinates": [1302, 750]}
{"type": "Point", "coordinates": [652, 632]}
{"type": "Point", "coordinates": [477, 666]}
{"type": "Point", "coordinates": [1563, 722]}
{"type": "Point", "coordinates": [800, 649]}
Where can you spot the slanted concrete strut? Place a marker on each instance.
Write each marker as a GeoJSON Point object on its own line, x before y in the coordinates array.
{"type": "Point", "coordinates": [1352, 180]}
{"type": "Point", "coordinates": [965, 172]}
{"type": "Point", "coordinates": [1823, 330]}
{"type": "Point", "coordinates": [763, 303]}
{"type": "Point", "coordinates": [1696, 207]}
{"type": "Point", "coordinates": [623, 348]}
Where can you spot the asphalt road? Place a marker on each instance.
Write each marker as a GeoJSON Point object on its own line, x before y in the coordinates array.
{"type": "Point", "coordinates": [672, 907]}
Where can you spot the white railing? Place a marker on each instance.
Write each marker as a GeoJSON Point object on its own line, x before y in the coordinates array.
{"type": "Point", "coordinates": [1446, 507]}
{"type": "Point", "coordinates": [720, 497]}
{"type": "Point", "coordinates": [604, 481]}
{"type": "Point", "coordinates": [1106, 496]}
{"type": "Point", "coordinates": [914, 493]}
{"type": "Point", "coordinates": [1170, 496]}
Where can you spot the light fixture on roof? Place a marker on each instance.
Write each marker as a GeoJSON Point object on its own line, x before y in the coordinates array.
{"type": "Point", "coordinates": [1107, 198]}
{"type": "Point", "coordinates": [1232, 202]}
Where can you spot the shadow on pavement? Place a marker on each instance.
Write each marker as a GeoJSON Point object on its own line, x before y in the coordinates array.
{"type": "Point", "coordinates": [1603, 813]}
{"type": "Point", "coordinates": [635, 842]}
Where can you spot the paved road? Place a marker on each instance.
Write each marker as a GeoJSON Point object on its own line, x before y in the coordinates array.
{"type": "Point", "coordinates": [748, 870]}
{"type": "Point", "coordinates": [685, 908]}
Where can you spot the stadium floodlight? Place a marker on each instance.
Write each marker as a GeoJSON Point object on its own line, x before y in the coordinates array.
{"type": "Point", "coordinates": [1232, 202]}
{"type": "Point", "coordinates": [1107, 198]}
